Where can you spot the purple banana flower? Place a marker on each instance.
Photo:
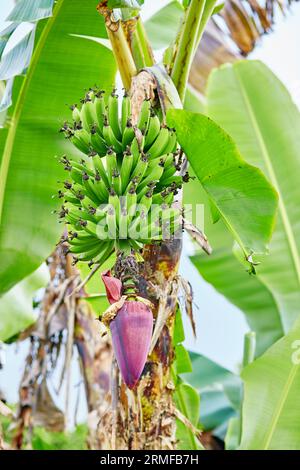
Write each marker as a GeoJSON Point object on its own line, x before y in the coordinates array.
{"type": "Point", "coordinates": [131, 332]}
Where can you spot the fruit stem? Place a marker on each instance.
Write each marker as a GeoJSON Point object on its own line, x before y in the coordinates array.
{"type": "Point", "coordinates": [140, 46]}
{"type": "Point", "coordinates": [120, 46]}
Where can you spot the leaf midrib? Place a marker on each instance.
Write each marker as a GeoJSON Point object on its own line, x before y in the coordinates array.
{"type": "Point", "coordinates": [279, 408]}
{"type": "Point", "coordinates": [4, 168]}
{"type": "Point", "coordinates": [283, 212]}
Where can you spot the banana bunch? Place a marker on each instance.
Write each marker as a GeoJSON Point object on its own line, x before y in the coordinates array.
{"type": "Point", "coordinates": [120, 195]}
{"type": "Point", "coordinates": [97, 127]}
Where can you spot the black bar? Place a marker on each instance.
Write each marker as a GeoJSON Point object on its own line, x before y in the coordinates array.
{"type": "Point", "coordinates": [132, 459]}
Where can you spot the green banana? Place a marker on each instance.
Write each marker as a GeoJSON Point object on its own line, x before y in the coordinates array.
{"type": "Point", "coordinates": [104, 254]}
{"type": "Point", "coordinates": [76, 114]}
{"type": "Point", "coordinates": [100, 188]}
{"type": "Point", "coordinates": [160, 143]}
{"type": "Point", "coordinates": [144, 115]}
{"type": "Point", "coordinates": [126, 168]}
{"type": "Point", "coordinates": [81, 139]}
{"type": "Point", "coordinates": [111, 164]}
{"type": "Point", "coordinates": [140, 168]}
{"type": "Point", "coordinates": [89, 254]}
{"type": "Point", "coordinates": [172, 142]}
{"type": "Point", "coordinates": [111, 139]}
{"type": "Point", "coordinates": [97, 142]}
{"type": "Point", "coordinates": [84, 246]}
{"type": "Point", "coordinates": [123, 219]}
{"type": "Point", "coordinates": [116, 182]}
{"type": "Point", "coordinates": [126, 109]}
{"type": "Point", "coordinates": [130, 174]}
{"type": "Point", "coordinates": [131, 201]}
{"type": "Point", "coordinates": [113, 115]}
{"type": "Point", "coordinates": [99, 168]}
{"type": "Point", "coordinates": [153, 130]}
{"type": "Point", "coordinates": [87, 113]}
{"type": "Point", "coordinates": [99, 104]}
{"type": "Point", "coordinates": [114, 201]}
{"type": "Point", "coordinates": [128, 134]}
{"type": "Point", "coordinates": [111, 223]}
{"type": "Point", "coordinates": [153, 176]}
{"type": "Point", "coordinates": [88, 184]}
{"type": "Point", "coordinates": [135, 150]}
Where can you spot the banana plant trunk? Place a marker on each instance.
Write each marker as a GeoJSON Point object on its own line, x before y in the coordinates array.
{"type": "Point", "coordinates": [144, 418]}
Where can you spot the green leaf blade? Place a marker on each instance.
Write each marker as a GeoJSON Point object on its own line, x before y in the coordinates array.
{"type": "Point", "coordinates": [272, 421]}
{"type": "Point", "coordinates": [252, 105]}
{"type": "Point", "coordinates": [31, 10]}
{"type": "Point", "coordinates": [240, 192]}
{"type": "Point", "coordinates": [16, 306]}
{"type": "Point", "coordinates": [246, 292]}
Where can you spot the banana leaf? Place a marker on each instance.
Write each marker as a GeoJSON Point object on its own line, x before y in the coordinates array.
{"type": "Point", "coordinates": [250, 103]}
{"type": "Point", "coordinates": [29, 171]}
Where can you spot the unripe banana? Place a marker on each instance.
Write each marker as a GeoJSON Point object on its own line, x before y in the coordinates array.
{"type": "Point", "coordinates": [103, 255]}
{"type": "Point", "coordinates": [153, 176]}
{"type": "Point", "coordinates": [111, 164]}
{"type": "Point", "coordinates": [172, 142]}
{"type": "Point", "coordinates": [81, 166]}
{"type": "Point", "coordinates": [99, 104]}
{"type": "Point", "coordinates": [114, 201]}
{"type": "Point", "coordinates": [126, 109]}
{"type": "Point", "coordinates": [111, 139]}
{"type": "Point", "coordinates": [128, 134]}
{"type": "Point", "coordinates": [116, 182]}
{"type": "Point", "coordinates": [160, 143]}
{"type": "Point", "coordinates": [153, 130]}
{"type": "Point", "coordinates": [84, 246]}
{"type": "Point", "coordinates": [131, 200]}
{"type": "Point", "coordinates": [87, 114]}
{"type": "Point", "coordinates": [90, 254]}
{"type": "Point", "coordinates": [129, 171]}
{"type": "Point", "coordinates": [100, 189]}
{"type": "Point", "coordinates": [146, 201]}
{"type": "Point", "coordinates": [76, 176]}
{"type": "Point", "coordinates": [69, 197]}
{"type": "Point", "coordinates": [126, 168]}
{"type": "Point", "coordinates": [140, 168]}
{"type": "Point", "coordinates": [81, 139]}
{"type": "Point", "coordinates": [90, 190]}
{"type": "Point", "coordinates": [97, 143]}
{"type": "Point", "coordinates": [99, 168]}
{"type": "Point", "coordinates": [135, 150]}
{"type": "Point", "coordinates": [144, 115]}
{"type": "Point", "coordinates": [76, 114]}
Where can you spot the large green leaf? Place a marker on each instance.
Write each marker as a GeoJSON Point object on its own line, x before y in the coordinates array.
{"type": "Point", "coordinates": [271, 414]}
{"type": "Point", "coordinates": [255, 108]}
{"type": "Point", "coordinates": [162, 27]}
{"type": "Point", "coordinates": [187, 401]}
{"type": "Point", "coordinates": [227, 275]}
{"type": "Point", "coordinates": [239, 191]}
{"type": "Point", "coordinates": [62, 67]}
{"type": "Point", "coordinates": [129, 4]}
{"type": "Point", "coordinates": [220, 392]}
{"type": "Point", "coordinates": [16, 306]}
